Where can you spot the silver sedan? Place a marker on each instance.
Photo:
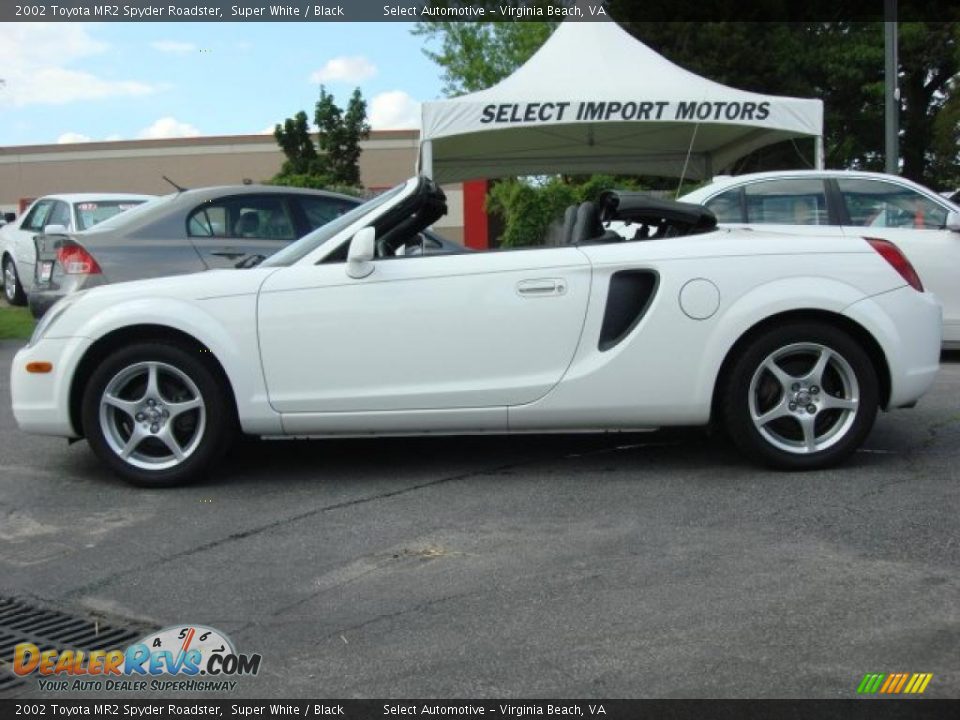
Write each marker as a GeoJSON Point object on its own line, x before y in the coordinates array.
{"type": "Point", "coordinates": [185, 232]}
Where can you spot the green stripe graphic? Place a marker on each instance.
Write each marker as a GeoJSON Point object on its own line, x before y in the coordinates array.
{"type": "Point", "coordinates": [871, 683]}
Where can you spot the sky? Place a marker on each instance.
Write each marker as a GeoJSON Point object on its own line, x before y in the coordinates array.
{"type": "Point", "coordinates": [76, 82]}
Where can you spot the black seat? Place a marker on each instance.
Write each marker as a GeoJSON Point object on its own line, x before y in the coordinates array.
{"type": "Point", "coordinates": [588, 228]}
{"type": "Point", "coordinates": [569, 218]}
{"type": "Point", "coordinates": [558, 233]}
{"type": "Point", "coordinates": [587, 224]}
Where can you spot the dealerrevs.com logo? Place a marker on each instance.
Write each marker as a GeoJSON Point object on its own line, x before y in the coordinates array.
{"type": "Point", "coordinates": [184, 657]}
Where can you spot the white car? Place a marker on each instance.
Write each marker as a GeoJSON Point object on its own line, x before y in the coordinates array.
{"type": "Point", "coordinates": [793, 344]}
{"type": "Point", "coordinates": [844, 203]}
{"type": "Point", "coordinates": [58, 213]}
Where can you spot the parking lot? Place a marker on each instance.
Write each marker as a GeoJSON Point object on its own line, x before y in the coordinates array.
{"type": "Point", "coordinates": [636, 565]}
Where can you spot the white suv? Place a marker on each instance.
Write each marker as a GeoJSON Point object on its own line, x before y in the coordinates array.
{"type": "Point", "coordinates": [924, 225]}
{"type": "Point", "coordinates": [60, 213]}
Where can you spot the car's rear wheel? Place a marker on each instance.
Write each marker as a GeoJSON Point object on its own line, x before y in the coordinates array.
{"type": "Point", "coordinates": [801, 396]}
{"type": "Point", "coordinates": [12, 289]}
{"type": "Point", "coordinates": [157, 415]}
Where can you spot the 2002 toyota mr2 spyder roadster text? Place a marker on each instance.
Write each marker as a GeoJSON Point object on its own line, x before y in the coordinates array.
{"type": "Point", "coordinates": [792, 343]}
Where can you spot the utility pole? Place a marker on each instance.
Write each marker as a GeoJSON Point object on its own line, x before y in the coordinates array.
{"type": "Point", "coordinates": [891, 90]}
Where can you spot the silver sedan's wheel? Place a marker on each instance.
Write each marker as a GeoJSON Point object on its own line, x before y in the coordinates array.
{"type": "Point", "coordinates": [800, 395]}
{"type": "Point", "coordinates": [152, 415]}
{"type": "Point", "coordinates": [804, 398]}
{"type": "Point", "coordinates": [158, 414]}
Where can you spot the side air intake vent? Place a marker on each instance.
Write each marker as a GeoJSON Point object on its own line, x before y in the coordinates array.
{"type": "Point", "coordinates": [628, 298]}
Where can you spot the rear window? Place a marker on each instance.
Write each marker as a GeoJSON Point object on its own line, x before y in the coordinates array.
{"type": "Point", "coordinates": [95, 212]}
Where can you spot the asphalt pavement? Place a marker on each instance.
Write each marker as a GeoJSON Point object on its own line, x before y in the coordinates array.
{"type": "Point", "coordinates": [635, 565]}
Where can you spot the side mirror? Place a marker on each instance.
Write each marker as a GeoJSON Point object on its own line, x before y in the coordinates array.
{"type": "Point", "coordinates": [54, 230]}
{"type": "Point", "coordinates": [361, 252]}
{"type": "Point", "coordinates": [953, 221]}
{"type": "Point", "coordinates": [9, 217]}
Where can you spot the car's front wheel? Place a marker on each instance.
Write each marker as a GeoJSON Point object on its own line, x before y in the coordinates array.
{"type": "Point", "coordinates": [157, 415]}
{"type": "Point", "coordinates": [801, 396]}
{"type": "Point", "coordinates": [12, 289]}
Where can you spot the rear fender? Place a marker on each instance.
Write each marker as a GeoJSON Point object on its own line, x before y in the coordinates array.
{"type": "Point", "coordinates": [763, 302]}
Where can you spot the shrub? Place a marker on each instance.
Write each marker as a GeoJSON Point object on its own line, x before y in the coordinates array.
{"type": "Point", "coordinates": [528, 206]}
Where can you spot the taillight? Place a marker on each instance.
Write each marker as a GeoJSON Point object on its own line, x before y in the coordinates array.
{"type": "Point", "coordinates": [891, 253]}
{"type": "Point", "coordinates": [75, 260]}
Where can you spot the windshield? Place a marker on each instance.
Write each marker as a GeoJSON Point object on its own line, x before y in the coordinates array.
{"type": "Point", "coordinates": [308, 243]}
{"type": "Point", "coordinates": [132, 214]}
{"type": "Point", "coordinates": [94, 212]}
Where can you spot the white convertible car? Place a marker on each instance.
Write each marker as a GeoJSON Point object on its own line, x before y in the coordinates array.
{"type": "Point", "coordinates": [792, 344]}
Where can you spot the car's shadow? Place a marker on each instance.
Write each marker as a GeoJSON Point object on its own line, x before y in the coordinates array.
{"type": "Point", "coordinates": [288, 464]}
{"type": "Point", "coordinates": [686, 451]}
{"type": "Point", "coordinates": [253, 460]}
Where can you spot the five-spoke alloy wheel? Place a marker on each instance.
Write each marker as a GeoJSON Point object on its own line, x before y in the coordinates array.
{"type": "Point", "coordinates": [802, 395]}
{"type": "Point", "coordinates": [157, 414]}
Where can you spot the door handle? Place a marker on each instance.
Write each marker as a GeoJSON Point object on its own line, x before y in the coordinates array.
{"type": "Point", "coordinates": [544, 287]}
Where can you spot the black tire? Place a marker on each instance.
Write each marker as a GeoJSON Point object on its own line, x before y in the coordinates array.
{"type": "Point", "coordinates": [210, 427]}
{"type": "Point", "coordinates": [808, 429]}
{"type": "Point", "coordinates": [16, 295]}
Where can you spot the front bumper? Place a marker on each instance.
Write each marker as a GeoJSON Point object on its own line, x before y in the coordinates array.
{"type": "Point", "coordinates": [41, 402]}
{"type": "Point", "coordinates": [908, 326]}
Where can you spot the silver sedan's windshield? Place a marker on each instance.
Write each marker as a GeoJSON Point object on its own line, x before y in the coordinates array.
{"type": "Point", "coordinates": [308, 243]}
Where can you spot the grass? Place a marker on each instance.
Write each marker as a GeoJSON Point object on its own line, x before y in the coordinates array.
{"type": "Point", "coordinates": [16, 323]}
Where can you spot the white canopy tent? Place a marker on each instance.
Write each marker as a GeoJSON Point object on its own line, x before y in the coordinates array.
{"type": "Point", "coordinates": [595, 99]}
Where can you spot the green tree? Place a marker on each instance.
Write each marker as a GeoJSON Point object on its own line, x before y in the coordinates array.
{"type": "Point", "coordinates": [475, 55]}
{"type": "Point", "coordinates": [334, 161]}
{"type": "Point", "coordinates": [353, 129]}
{"type": "Point", "coordinates": [930, 61]}
{"type": "Point", "coordinates": [293, 137]}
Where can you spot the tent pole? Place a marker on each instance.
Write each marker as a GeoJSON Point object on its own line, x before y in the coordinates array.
{"type": "Point", "coordinates": [686, 162]}
{"type": "Point", "coordinates": [426, 159]}
{"type": "Point", "coordinates": [818, 152]}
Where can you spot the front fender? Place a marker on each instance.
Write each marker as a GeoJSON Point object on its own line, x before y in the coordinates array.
{"type": "Point", "coordinates": [187, 317]}
{"type": "Point", "coordinates": [226, 326]}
